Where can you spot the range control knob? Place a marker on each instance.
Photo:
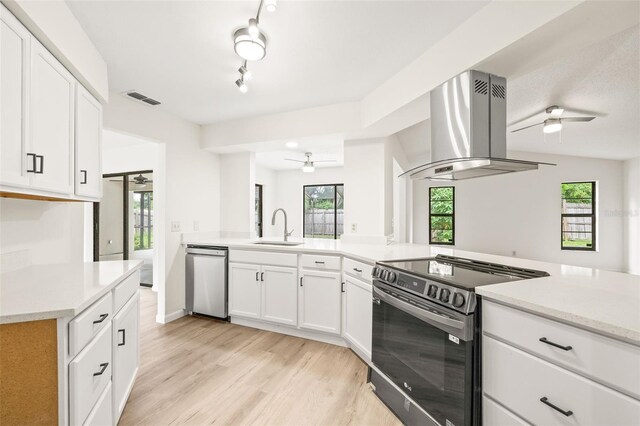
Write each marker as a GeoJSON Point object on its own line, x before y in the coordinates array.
{"type": "Point", "coordinates": [383, 275]}
{"type": "Point", "coordinates": [458, 300]}
{"type": "Point", "coordinates": [374, 272]}
{"type": "Point", "coordinates": [391, 277]}
{"type": "Point", "coordinates": [432, 291]}
{"type": "Point", "coordinates": [444, 295]}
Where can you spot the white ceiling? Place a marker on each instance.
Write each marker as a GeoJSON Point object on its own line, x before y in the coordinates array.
{"type": "Point", "coordinates": [603, 80]}
{"type": "Point", "coordinates": [319, 53]}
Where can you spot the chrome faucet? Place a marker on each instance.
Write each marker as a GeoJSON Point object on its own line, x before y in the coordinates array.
{"type": "Point", "coordinates": [273, 222]}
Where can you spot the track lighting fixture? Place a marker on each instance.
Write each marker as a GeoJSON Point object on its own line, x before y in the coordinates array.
{"type": "Point", "coordinates": [250, 43]}
{"type": "Point", "coordinates": [241, 86]}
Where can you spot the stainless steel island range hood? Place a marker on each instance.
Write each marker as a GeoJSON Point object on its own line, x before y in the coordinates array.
{"type": "Point", "coordinates": [469, 130]}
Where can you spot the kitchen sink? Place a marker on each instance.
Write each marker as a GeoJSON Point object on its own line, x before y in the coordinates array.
{"type": "Point", "coordinates": [278, 243]}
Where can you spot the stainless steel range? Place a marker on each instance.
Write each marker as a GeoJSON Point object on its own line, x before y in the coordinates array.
{"type": "Point", "coordinates": [426, 346]}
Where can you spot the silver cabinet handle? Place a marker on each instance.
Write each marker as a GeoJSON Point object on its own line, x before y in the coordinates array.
{"type": "Point", "coordinates": [342, 287]}
{"type": "Point", "coordinates": [257, 274]}
{"type": "Point", "coordinates": [300, 281]}
{"type": "Point", "coordinates": [102, 368]}
{"type": "Point", "coordinates": [124, 337]}
{"type": "Point", "coordinates": [83, 179]}
{"type": "Point", "coordinates": [261, 276]}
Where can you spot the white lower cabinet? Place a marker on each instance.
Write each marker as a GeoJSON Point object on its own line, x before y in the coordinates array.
{"type": "Point", "coordinates": [125, 353]}
{"type": "Point", "coordinates": [565, 386]}
{"type": "Point", "coordinates": [263, 292]}
{"type": "Point", "coordinates": [357, 316]}
{"type": "Point", "coordinates": [89, 375]}
{"type": "Point", "coordinates": [320, 301]}
{"type": "Point", "coordinates": [244, 290]}
{"type": "Point", "coordinates": [102, 413]}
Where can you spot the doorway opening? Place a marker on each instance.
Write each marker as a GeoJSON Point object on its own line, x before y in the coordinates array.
{"type": "Point", "coordinates": [123, 220]}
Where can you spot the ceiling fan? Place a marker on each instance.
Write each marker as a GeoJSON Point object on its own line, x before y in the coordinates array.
{"type": "Point", "coordinates": [553, 122]}
{"type": "Point", "coordinates": [138, 180]}
{"type": "Point", "coordinates": [307, 165]}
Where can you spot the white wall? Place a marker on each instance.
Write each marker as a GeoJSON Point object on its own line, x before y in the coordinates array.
{"type": "Point", "coordinates": [39, 232]}
{"type": "Point", "coordinates": [186, 166]}
{"type": "Point", "coordinates": [631, 215]}
{"type": "Point", "coordinates": [237, 194]}
{"type": "Point", "coordinates": [521, 211]}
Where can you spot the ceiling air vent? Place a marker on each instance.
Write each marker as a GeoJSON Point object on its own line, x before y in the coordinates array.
{"type": "Point", "coordinates": [498, 91]}
{"type": "Point", "coordinates": [140, 97]}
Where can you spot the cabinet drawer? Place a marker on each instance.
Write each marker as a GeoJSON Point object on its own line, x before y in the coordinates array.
{"type": "Point", "coordinates": [89, 375]}
{"type": "Point", "coordinates": [590, 354]}
{"type": "Point", "coordinates": [357, 269]}
{"type": "Point", "coordinates": [317, 261]}
{"type": "Point", "coordinates": [496, 415]}
{"type": "Point", "coordinates": [519, 381]}
{"type": "Point", "coordinates": [89, 323]}
{"type": "Point", "coordinates": [102, 414]}
{"type": "Point", "coordinates": [264, 258]}
{"type": "Point", "coordinates": [125, 290]}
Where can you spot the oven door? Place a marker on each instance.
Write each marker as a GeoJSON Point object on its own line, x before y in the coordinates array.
{"type": "Point", "coordinates": [427, 351]}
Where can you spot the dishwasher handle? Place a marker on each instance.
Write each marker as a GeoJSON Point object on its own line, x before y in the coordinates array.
{"type": "Point", "coordinates": [207, 252]}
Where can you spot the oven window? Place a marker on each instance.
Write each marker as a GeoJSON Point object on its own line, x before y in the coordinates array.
{"type": "Point", "coordinates": [421, 359]}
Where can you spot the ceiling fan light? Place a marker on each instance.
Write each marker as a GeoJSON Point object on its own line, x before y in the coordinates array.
{"type": "Point", "coordinates": [552, 125]}
{"type": "Point", "coordinates": [241, 86]}
{"type": "Point", "coordinates": [270, 5]}
{"type": "Point", "coordinates": [249, 48]}
{"type": "Point", "coordinates": [308, 167]}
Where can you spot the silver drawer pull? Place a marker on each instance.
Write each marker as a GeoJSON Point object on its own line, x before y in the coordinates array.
{"type": "Point", "coordinates": [548, 342]}
{"type": "Point", "coordinates": [357, 270]}
{"type": "Point", "coordinates": [102, 368]}
{"type": "Point", "coordinates": [319, 262]}
{"type": "Point", "coordinates": [102, 318]}
{"type": "Point", "coordinates": [545, 401]}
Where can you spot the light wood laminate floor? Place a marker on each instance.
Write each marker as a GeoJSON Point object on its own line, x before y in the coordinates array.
{"type": "Point", "coordinates": [199, 371]}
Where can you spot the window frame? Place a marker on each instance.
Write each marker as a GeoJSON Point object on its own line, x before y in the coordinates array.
{"type": "Point", "coordinates": [452, 215]}
{"type": "Point", "coordinates": [335, 207]}
{"type": "Point", "coordinates": [145, 197]}
{"type": "Point", "coordinates": [592, 216]}
{"type": "Point", "coordinates": [259, 214]}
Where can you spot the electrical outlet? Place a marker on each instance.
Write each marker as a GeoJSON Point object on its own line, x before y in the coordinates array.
{"type": "Point", "coordinates": [196, 225]}
{"type": "Point", "coordinates": [175, 226]}
{"type": "Point", "coordinates": [513, 253]}
{"type": "Point", "coordinates": [354, 227]}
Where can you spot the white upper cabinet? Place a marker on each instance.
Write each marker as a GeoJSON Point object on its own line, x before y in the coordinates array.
{"type": "Point", "coordinates": [320, 301]}
{"type": "Point", "coordinates": [14, 90]}
{"type": "Point", "coordinates": [49, 136]}
{"type": "Point", "coordinates": [88, 132]}
{"type": "Point", "coordinates": [51, 122]}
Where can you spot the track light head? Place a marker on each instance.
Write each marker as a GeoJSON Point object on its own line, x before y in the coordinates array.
{"type": "Point", "coordinates": [241, 86]}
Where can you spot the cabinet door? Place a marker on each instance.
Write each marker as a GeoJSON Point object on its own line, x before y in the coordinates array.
{"type": "Point", "coordinates": [280, 294]}
{"type": "Point", "coordinates": [51, 122]}
{"type": "Point", "coordinates": [320, 301]}
{"type": "Point", "coordinates": [88, 132]}
{"type": "Point", "coordinates": [244, 290]}
{"type": "Point", "coordinates": [14, 92]}
{"type": "Point", "coordinates": [358, 311]}
{"type": "Point", "coordinates": [125, 353]}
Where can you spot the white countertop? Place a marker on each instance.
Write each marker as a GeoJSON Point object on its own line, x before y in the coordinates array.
{"type": "Point", "coordinates": [55, 291]}
{"type": "Point", "coordinates": [598, 300]}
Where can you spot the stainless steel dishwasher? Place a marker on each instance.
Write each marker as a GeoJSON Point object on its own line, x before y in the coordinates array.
{"type": "Point", "coordinates": [206, 281]}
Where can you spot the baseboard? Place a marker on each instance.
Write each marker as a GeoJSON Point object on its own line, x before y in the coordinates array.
{"type": "Point", "coordinates": [296, 332]}
{"type": "Point", "coordinates": [170, 317]}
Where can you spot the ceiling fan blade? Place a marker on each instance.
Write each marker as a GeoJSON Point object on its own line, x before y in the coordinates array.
{"type": "Point", "coordinates": [291, 159]}
{"type": "Point", "coordinates": [527, 127]}
{"type": "Point", "coordinates": [576, 119]}
{"type": "Point", "coordinates": [324, 161]}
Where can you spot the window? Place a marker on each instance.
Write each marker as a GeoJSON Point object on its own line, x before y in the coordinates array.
{"type": "Point", "coordinates": [142, 220]}
{"type": "Point", "coordinates": [323, 211]}
{"type": "Point", "coordinates": [578, 230]}
{"type": "Point", "coordinates": [259, 210]}
{"type": "Point", "coordinates": [442, 215]}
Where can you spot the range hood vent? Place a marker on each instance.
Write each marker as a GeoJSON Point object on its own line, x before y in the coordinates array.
{"type": "Point", "coordinates": [469, 130]}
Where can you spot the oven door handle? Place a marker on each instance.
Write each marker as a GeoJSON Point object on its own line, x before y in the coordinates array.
{"type": "Point", "coordinates": [417, 312]}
